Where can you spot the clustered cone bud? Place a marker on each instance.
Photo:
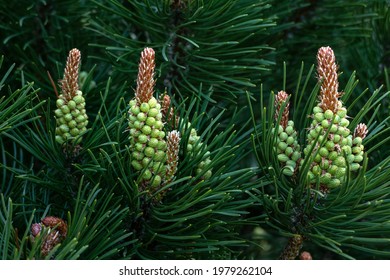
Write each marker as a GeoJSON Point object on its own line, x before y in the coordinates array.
{"type": "Point", "coordinates": [147, 136]}
{"type": "Point", "coordinates": [173, 144]}
{"type": "Point", "coordinates": [330, 145]}
{"type": "Point", "coordinates": [71, 117]}
{"type": "Point", "coordinates": [286, 146]}
{"type": "Point", "coordinates": [280, 99]}
{"type": "Point", "coordinates": [147, 141]}
{"type": "Point", "coordinates": [357, 147]}
{"type": "Point", "coordinates": [168, 111]}
{"type": "Point", "coordinates": [194, 147]}
{"type": "Point", "coordinates": [154, 154]}
{"type": "Point", "coordinates": [57, 231]}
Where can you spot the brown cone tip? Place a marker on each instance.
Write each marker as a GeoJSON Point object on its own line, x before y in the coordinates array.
{"type": "Point", "coordinates": [69, 84]}
{"type": "Point", "coordinates": [361, 131]}
{"type": "Point", "coordinates": [327, 75]}
{"type": "Point", "coordinates": [173, 141]}
{"type": "Point", "coordinates": [145, 79]}
{"type": "Point", "coordinates": [281, 97]}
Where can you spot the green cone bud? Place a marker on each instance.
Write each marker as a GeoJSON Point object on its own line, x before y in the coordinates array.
{"type": "Point", "coordinates": [135, 110]}
{"type": "Point", "coordinates": [344, 122]}
{"type": "Point", "coordinates": [146, 129]}
{"type": "Point", "coordinates": [323, 152]}
{"type": "Point", "coordinates": [287, 148]}
{"type": "Point", "coordinates": [283, 136]}
{"type": "Point", "coordinates": [334, 147]}
{"type": "Point", "coordinates": [144, 107]}
{"type": "Point", "coordinates": [317, 109]}
{"type": "Point", "coordinates": [354, 166]}
{"type": "Point", "coordinates": [288, 171]}
{"type": "Point", "coordinates": [147, 139]}
{"type": "Point", "coordinates": [290, 129]}
{"type": "Point", "coordinates": [328, 114]}
{"type": "Point", "coordinates": [358, 158]}
{"type": "Point", "coordinates": [72, 105]}
{"type": "Point", "coordinates": [342, 112]}
{"type": "Point", "coordinates": [153, 113]}
{"type": "Point", "coordinates": [334, 183]}
{"type": "Point", "coordinates": [194, 146]}
{"type": "Point", "coordinates": [291, 140]}
{"type": "Point", "coordinates": [78, 99]}
{"type": "Point", "coordinates": [357, 141]}
{"type": "Point", "coordinates": [283, 158]}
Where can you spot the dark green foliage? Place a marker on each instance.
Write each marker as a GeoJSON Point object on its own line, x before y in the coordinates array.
{"type": "Point", "coordinates": [220, 46]}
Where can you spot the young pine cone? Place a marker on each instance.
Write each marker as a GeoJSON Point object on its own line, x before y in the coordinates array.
{"type": "Point", "coordinates": [194, 147]}
{"type": "Point", "coordinates": [286, 146]}
{"type": "Point", "coordinates": [71, 117]}
{"type": "Point", "coordinates": [147, 136]}
{"type": "Point", "coordinates": [329, 138]}
{"type": "Point", "coordinates": [147, 140]}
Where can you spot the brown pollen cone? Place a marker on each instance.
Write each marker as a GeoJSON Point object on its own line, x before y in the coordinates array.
{"type": "Point", "coordinates": [173, 140]}
{"type": "Point", "coordinates": [145, 79]}
{"type": "Point", "coordinates": [57, 223]}
{"type": "Point", "coordinates": [57, 232]}
{"type": "Point", "coordinates": [280, 98]}
{"type": "Point", "coordinates": [69, 84]}
{"type": "Point", "coordinates": [167, 110]}
{"type": "Point", "coordinates": [360, 131]}
{"type": "Point", "coordinates": [327, 75]}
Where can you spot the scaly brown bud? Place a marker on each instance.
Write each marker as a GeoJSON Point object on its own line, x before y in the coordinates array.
{"type": "Point", "coordinates": [36, 229]}
{"type": "Point", "coordinates": [360, 131]}
{"type": "Point", "coordinates": [69, 84]}
{"type": "Point", "coordinates": [280, 98]}
{"type": "Point", "coordinates": [57, 223]}
{"type": "Point", "coordinates": [165, 101]}
{"type": "Point", "coordinates": [173, 140]}
{"type": "Point", "coordinates": [305, 256]}
{"type": "Point", "coordinates": [167, 110]}
{"type": "Point", "coordinates": [145, 79]}
{"type": "Point", "coordinates": [57, 231]}
{"type": "Point", "coordinates": [327, 75]}
{"type": "Point", "coordinates": [50, 241]}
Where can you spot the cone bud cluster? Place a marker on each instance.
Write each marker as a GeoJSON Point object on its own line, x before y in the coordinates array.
{"type": "Point", "coordinates": [330, 143]}
{"type": "Point", "coordinates": [286, 146]}
{"type": "Point", "coordinates": [71, 116]}
{"type": "Point", "coordinates": [357, 146]}
{"type": "Point", "coordinates": [331, 148]}
{"type": "Point", "coordinates": [57, 232]}
{"type": "Point", "coordinates": [173, 146]}
{"type": "Point", "coordinates": [196, 146]}
{"type": "Point", "coordinates": [147, 141]}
